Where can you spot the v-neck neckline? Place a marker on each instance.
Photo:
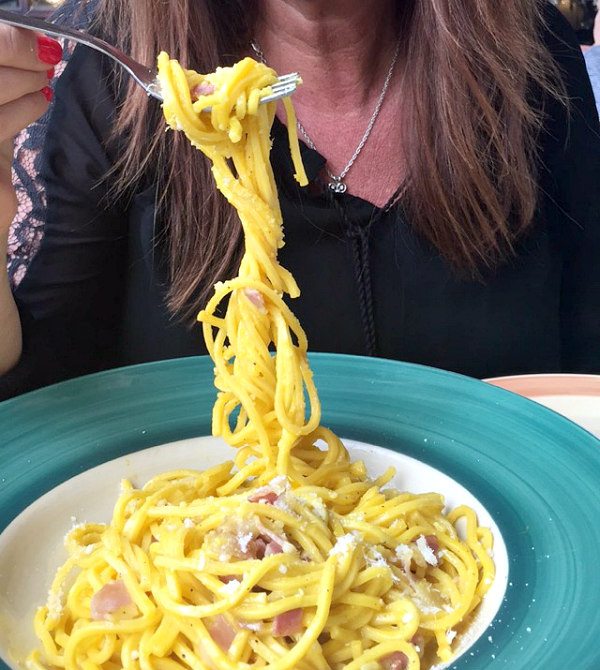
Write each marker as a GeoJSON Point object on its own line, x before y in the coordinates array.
{"type": "Point", "coordinates": [314, 165]}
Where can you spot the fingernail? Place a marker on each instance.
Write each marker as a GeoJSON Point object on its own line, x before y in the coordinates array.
{"type": "Point", "coordinates": [49, 51]}
{"type": "Point", "coordinates": [50, 73]}
{"type": "Point", "coordinates": [48, 93]}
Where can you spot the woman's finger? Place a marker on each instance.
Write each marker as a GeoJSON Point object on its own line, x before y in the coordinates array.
{"type": "Point", "coordinates": [17, 114]}
{"type": "Point", "coordinates": [25, 50]}
{"type": "Point", "coordinates": [16, 83]}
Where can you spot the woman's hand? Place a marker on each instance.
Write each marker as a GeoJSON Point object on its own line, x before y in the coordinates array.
{"type": "Point", "coordinates": [26, 62]}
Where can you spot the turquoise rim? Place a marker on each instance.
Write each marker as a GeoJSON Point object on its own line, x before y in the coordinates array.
{"type": "Point", "coordinates": [537, 473]}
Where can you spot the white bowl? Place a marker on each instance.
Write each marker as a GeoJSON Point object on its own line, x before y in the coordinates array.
{"type": "Point", "coordinates": [31, 547]}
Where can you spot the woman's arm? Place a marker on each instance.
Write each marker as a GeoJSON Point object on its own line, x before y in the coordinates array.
{"type": "Point", "coordinates": [10, 324]}
{"type": "Point", "coordinates": [10, 340]}
{"type": "Point", "coordinates": [24, 63]}
{"type": "Point", "coordinates": [572, 166]}
{"type": "Point", "coordinates": [69, 300]}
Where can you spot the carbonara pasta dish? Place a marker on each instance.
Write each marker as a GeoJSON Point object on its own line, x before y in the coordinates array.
{"type": "Point", "coordinates": [289, 556]}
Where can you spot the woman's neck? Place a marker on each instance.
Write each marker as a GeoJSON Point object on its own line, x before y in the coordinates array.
{"type": "Point", "coordinates": [341, 47]}
{"type": "Point", "coordinates": [343, 50]}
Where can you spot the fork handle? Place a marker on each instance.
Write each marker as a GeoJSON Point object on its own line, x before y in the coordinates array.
{"type": "Point", "coordinates": [41, 26]}
{"type": "Point", "coordinates": [144, 76]}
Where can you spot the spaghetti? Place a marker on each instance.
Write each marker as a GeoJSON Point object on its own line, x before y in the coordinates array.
{"type": "Point", "coordinates": [289, 556]}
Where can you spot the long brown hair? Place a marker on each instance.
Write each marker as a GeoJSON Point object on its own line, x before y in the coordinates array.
{"type": "Point", "coordinates": [471, 148]}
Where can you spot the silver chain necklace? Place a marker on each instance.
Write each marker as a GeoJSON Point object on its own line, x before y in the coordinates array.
{"type": "Point", "coordinates": [336, 183]}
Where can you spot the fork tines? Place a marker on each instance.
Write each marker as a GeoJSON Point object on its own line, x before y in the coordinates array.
{"type": "Point", "coordinates": [285, 86]}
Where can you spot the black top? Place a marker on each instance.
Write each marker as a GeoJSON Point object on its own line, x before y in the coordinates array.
{"type": "Point", "coordinates": [94, 295]}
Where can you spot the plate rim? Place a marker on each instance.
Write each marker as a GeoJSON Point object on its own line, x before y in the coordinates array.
{"type": "Point", "coordinates": [326, 366]}
{"type": "Point", "coordinates": [549, 384]}
{"type": "Point", "coordinates": [319, 356]}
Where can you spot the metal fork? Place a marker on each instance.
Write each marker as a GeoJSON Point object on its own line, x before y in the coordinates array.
{"type": "Point", "coordinates": [145, 76]}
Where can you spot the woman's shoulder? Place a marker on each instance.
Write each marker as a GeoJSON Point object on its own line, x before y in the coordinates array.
{"type": "Point", "coordinates": [76, 14]}
{"type": "Point", "coordinates": [575, 106]}
{"type": "Point", "coordinates": [557, 30]}
{"type": "Point", "coordinates": [562, 43]}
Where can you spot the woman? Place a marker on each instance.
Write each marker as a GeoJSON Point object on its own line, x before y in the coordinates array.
{"type": "Point", "coordinates": [467, 237]}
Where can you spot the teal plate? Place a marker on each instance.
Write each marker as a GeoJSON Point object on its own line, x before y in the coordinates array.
{"type": "Point", "coordinates": [535, 472]}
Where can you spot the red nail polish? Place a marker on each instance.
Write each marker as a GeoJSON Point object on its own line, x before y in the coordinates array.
{"type": "Point", "coordinates": [48, 93]}
{"type": "Point", "coordinates": [49, 51]}
{"type": "Point", "coordinates": [50, 73]}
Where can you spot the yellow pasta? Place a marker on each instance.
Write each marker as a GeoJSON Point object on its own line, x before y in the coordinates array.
{"type": "Point", "coordinates": [288, 556]}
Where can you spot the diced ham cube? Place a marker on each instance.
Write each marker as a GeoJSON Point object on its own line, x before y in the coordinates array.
{"type": "Point", "coordinates": [259, 547]}
{"type": "Point", "coordinates": [256, 548]}
{"type": "Point", "coordinates": [264, 494]}
{"type": "Point", "coordinates": [203, 88]}
{"type": "Point", "coordinates": [222, 632]}
{"type": "Point", "coordinates": [256, 298]}
{"type": "Point", "coordinates": [433, 543]}
{"type": "Point", "coordinates": [396, 661]}
{"type": "Point", "coordinates": [288, 623]}
{"type": "Point", "coordinates": [418, 641]}
{"type": "Point", "coordinates": [110, 599]}
{"type": "Point", "coordinates": [273, 548]}
{"type": "Point", "coordinates": [281, 540]}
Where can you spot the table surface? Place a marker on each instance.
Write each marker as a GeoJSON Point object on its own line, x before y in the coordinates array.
{"type": "Point", "coordinates": [576, 397]}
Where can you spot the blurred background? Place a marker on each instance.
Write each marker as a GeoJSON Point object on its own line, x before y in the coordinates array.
{"type": "Point", "coordinates": [580, 13]}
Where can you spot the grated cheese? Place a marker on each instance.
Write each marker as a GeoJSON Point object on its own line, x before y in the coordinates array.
{"type": "Point", "coordinates": [244, 541]}
{"type": "Point", "coordinates": [279, 484]}
{"type": "Point", "coordinates": [230, 587]}
{"type": "Point", "coordinates": [426, 551]}
{"type": "Point", "coordinates": [55, 603]}
{"type": "Point", "coordinates": [345, 544]}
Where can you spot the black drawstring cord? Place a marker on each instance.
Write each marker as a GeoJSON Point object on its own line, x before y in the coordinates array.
{"type": "Point", "coordinates": [362, 267]}
{"type": "Point", "coordinates": [358, 235]}
{"type": "Point", "coordinates": [359, 239]}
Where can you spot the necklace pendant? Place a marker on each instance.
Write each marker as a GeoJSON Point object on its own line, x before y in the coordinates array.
{"type": "Point", "coordinates": [336, 185]}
